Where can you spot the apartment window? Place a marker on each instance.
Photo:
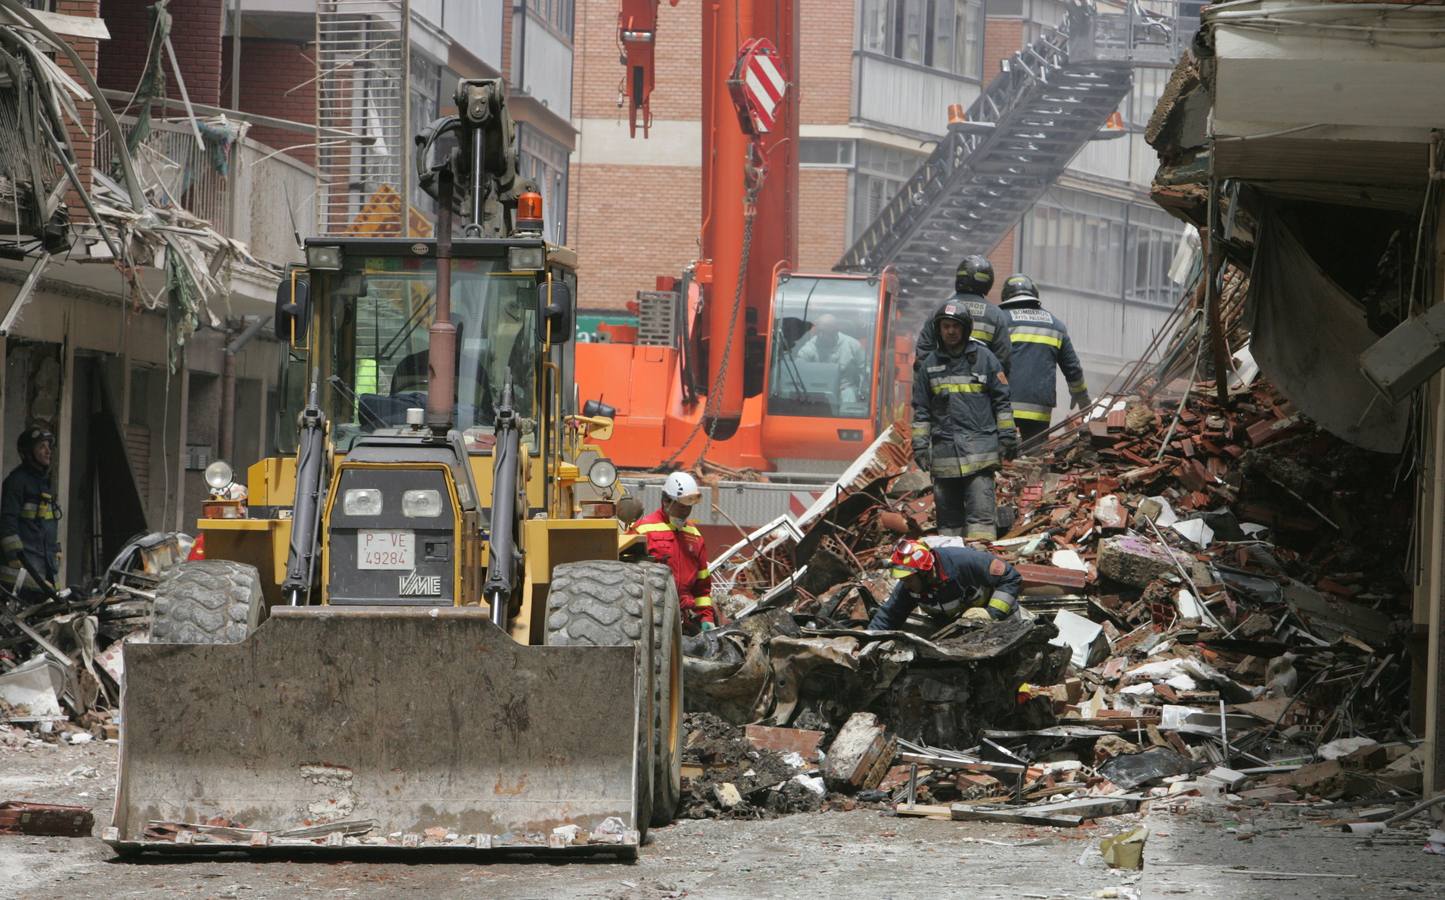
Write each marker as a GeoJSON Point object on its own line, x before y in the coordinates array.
{"type": "Point", "coordinates": [882, 171]}
{"type": "Point", "coordinates": [1102, 246]}
{"type": "Point", "coordinates": [1153, 239]}
{"type": "Point", "coordinates": [940, 34]}
{"type": "Point", "coordinates": [560, 14]}
{"type": "Point", "coordinates": [545, 161]}
{"type": "Point", "coordinates": [825, 152]}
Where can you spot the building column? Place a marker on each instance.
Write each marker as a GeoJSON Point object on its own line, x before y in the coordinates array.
{"type": "Point", "coordinates": [182, 431]}
{"type": "Point", "coordinates": [4, 374]}
{"type": "Point", "coordinates": [1432, 537]}
{"type": "Point", "coordinates": [64, 432]}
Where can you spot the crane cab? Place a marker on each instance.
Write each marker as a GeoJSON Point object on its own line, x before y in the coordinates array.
{"type": "Point", "coordinates": [838, 368]}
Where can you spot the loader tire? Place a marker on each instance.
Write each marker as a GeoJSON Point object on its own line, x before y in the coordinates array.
{"type": "Point", "coordinates": [210, 601]}
{"type": "Point", "coordinates": [666, 694]}
{"type": "Point", "coordinates": [609, 604]}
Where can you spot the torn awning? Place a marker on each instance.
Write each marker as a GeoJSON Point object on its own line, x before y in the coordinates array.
{"type": "Point", "coordinates": [1307, 338]}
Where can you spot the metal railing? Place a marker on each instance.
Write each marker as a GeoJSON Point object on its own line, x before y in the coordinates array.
{"type": "Point", "coordinates": [1144, 32]}
{"type": "Point", "coordinates": [245, 191]}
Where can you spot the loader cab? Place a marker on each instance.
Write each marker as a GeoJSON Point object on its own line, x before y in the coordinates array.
{"type": "Point", "coordinates": [367, 309]}
{"type": "Point", "coordinates": [832, 368]}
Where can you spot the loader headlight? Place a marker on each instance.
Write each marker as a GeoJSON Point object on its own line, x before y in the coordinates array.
{"type": "Point", "coordinates": [421, 504]}
{"type": "Point", "coordinates": [526, 259]}
{"type": "Point", "coordinates": [219, 475]}
{"type": "Point", "coordinates": [324, 259]}
{"type": "Point", "coordinates": [361, 502]}
{"type": "Point", "coordinates": [602, 474]}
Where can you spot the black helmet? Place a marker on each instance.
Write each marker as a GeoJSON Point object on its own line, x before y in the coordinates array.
{"type": "Point", "coordinates": [974, 276]}
{"type": "Point", "coordinates": [1019, 287]}
{"type": "Point", "coordinates": [31, 438]}
{"type": "Point", "coordinates": [958, 313]}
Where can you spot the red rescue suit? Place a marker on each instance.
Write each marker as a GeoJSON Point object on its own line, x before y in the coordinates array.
{"type": "Point", "coordinates": [683, 550]}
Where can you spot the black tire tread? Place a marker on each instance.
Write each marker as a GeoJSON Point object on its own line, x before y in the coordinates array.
{"type": "Point", "coordinates": [207, 601]}
{"type": "Point", "coordinates": [666, 617]}
{"type": "Point", "coordinates": [608, 603]}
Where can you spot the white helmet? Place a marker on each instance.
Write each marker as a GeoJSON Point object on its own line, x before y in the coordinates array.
{"type": "Point", "coordinates": [682, 487]}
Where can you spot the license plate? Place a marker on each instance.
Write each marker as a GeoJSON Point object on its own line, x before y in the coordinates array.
{"type": "Point", "coordinates": [385, 550]}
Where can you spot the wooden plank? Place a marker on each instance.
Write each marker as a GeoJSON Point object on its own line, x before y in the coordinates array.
{"type": "Point", "coordinates": [1066, 814]}
{"type": "Point", "coordinates": [923, 811]}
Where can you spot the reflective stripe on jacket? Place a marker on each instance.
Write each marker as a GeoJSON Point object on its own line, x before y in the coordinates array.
{"type": "Point", "coordinates": [1040, 345]}
{"type": "Point", "coordinates": [990, 328]}
{"type": "Point", "coordinates": [968, 578]}
{"type": "Point", "coordinates": [684, 551]}
{"type": "Point", "coordinates": [29, 525]}
{"type": "Point", "coordinates": [962, 420]}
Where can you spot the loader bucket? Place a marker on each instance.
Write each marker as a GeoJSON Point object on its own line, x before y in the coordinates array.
{"type": "Point", "coordinates": [380, 727]}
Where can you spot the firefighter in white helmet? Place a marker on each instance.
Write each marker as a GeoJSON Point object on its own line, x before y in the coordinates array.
{"type": "Point", "coordinates": [674, 539]}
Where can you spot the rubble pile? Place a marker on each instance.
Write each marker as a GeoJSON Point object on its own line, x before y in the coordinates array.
{"type": "Point", "coordinates": [1215, 606]}
{"type": "Point", "coordinates": [727, 775]}
{"type": "Point", "coordinates": [60, 657]}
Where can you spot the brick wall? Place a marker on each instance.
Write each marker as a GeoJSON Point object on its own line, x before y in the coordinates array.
{"type": "Point", "coordinates": [823, 217]}
{"type": "Point", "coordinates": [1003, 36]}
{"type": "Point", "coordinates": [826, 64]}
{"type": "Point", "coordinates": [269, 70]}
{"type": "Point", "coordinates": [1002, 257]}
{"type": "Point", "coordinates": [89, 53]}
{"type": "Point", "coordinates": [631, 224]}
{"type": "Point", "coordinates": [195, 33]}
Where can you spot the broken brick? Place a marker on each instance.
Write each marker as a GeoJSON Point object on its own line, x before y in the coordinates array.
{"type": "Point", "coordinates": [785, 740]}
{"type": "Point", "coordinates": [1037, 576]}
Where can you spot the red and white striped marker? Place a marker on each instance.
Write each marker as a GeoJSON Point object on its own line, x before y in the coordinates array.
{"type": "Point", "coordinates": [758, 85]}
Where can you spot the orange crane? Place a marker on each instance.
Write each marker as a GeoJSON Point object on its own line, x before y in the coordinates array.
{"type": "Point", "coordinates": [740, 359]}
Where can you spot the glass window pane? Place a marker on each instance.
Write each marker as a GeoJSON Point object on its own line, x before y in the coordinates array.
{"type": "Point", "coordinates": [944, 32]}
{"type": "Point", "coordinates": [877, 24]}
{"type": "Point", "coordinates": [823, 347]}
{"type": "Point", "coordinates": [914, 31]}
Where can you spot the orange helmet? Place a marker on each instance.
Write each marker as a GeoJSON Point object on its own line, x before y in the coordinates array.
{"type": "Point", "coordinates": [909, 557]}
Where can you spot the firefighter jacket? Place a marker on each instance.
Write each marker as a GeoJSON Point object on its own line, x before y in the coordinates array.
{"type": "Point", "coordinates": [962, 421]}
{"type": "Point", "coordinates": [990, 328]}
{"type": "Point", "coordinates": [29, 526]}
{"type": "Point", "coordinates": [682, 550]}
{"type": "Point", "coordinates": [967, 578]}
{"type": "Point", "coordinates": [1040, 345]}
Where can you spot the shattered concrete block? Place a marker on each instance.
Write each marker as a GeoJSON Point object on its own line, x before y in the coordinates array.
{"type": "Point", "coordinates": [1134, 560]}
{"type": "Point", "coordinates": [1323, 779]}
{"type": "Point", "coordinates": [860, 755]}
{"type": "Point", "coordinates": [1228, 777]}
{"type": "Point", "coordinates": [727, 795]}
{"type": "Point", "coordinates": [1110, 513]}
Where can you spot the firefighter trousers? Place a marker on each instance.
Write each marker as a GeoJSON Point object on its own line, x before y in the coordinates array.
{"type": "Point", "coordinates": [965, 507]}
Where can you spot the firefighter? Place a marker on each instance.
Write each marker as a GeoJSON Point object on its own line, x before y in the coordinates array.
{"type": "Point", "coordinates": [971, 283]}
{"type": "Point", "coordinates": [946, 582]}
{"type": "Point", "coordinates": [1040, 345]}
{"type": "Point", "coordinates": [30, 519]}
{"type": "Point", "coordinates": [673, 539]}
{"type": "Point", "coordinates": [962, 427]}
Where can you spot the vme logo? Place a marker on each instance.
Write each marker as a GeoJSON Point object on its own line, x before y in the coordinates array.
{"type": "Point", "coordinates": [414, 585]}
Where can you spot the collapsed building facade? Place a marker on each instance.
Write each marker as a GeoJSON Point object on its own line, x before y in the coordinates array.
{"type": "Point", "coordinates": [1326, 188]}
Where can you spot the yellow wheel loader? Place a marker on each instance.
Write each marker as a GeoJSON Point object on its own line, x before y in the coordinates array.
{"type": "Point", "coordinates": [417, 632]}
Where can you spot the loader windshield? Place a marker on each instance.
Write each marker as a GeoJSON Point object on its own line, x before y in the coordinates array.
{"type": "Point", "coordinates": [824, 335]}
{"type": "Point", "coordinates": [380, 308]}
